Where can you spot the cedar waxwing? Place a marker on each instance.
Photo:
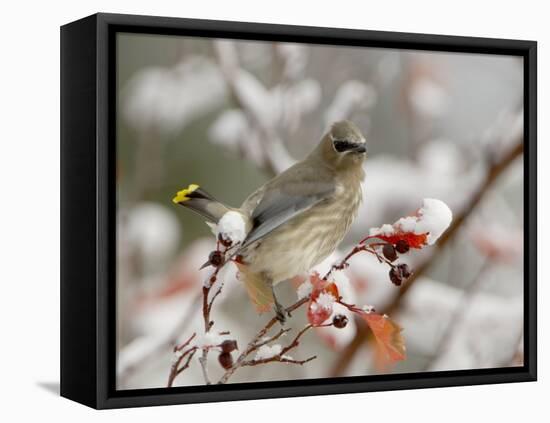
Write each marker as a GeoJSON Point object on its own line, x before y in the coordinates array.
{"type": "Point", "coordinates": [298, 218]}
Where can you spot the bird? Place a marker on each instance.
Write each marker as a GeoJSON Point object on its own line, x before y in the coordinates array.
{"type": "Point", "coordinates": [297, 219]}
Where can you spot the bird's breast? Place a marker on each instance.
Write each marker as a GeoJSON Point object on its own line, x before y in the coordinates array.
{"type": "Point", "coordinates": [307, 239]}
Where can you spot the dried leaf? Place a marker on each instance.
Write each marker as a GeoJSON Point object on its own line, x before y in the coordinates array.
{"type": "Point", "coordinates": [391, 345]}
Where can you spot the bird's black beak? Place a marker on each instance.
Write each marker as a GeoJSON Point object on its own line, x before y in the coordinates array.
{"type": "Point", "coordinates": [359, 148]}
{"type": "Point", "coordinates": [345, 146]}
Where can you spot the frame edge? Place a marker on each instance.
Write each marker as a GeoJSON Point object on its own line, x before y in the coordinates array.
{"type": "Point", "coordinates": [103, 397]}
{"type": "Point", "coordinates": [78, 230]}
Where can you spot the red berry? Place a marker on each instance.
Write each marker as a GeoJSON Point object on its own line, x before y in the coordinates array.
{"type": "Point", "coordinates": [389, 252]}
{"type": "Point", "coordinates": [216, 258]}
{"type": "Point", "coordinates": [226, 360]}
{"type": "Point", "coordinates": [404, 270]}
{"type": "Point", "coordinates": [402, 246]}
{"type": "Point", "coordinates": [395, 276]}
{"type": "Point", "coordinates": [229, 345]}
{"type": "Point", "coordinates": [340, 321]}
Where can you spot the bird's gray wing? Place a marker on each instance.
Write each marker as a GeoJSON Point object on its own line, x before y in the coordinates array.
{"type": "Point", "coordinates": [284, 202]}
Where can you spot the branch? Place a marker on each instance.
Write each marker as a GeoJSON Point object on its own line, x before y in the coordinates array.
{"type": "Point", "coordinates": [271, 339]}
{"type": "Point", "coordinates": [369, 248]}
{"type": "Point", "coordinates": [207, 308]}
{"type": "Point", "coordinates": [496, 168]}
{"type": "Point", "coordinates": [281, 357]}
{"type": "Point", "coordinates": [204, 365]}
{"type": "Point", "coordinates": [181, 354]}
{"type": "Point", "coordinates": [257, 342]}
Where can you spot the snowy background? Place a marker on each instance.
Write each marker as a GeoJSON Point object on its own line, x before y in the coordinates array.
{"type": "Point", "coordinates": [230, 115]}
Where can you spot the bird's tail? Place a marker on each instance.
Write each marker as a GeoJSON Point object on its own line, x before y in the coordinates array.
{"type": "Point", "coordinates": [195, 198]}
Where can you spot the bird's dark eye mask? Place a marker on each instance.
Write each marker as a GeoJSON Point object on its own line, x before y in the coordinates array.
{"type": "Point", "coordinates": [343, 145]}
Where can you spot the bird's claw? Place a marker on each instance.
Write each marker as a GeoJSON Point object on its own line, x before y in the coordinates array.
{"type": "Point", "coordinates": [280, 314]}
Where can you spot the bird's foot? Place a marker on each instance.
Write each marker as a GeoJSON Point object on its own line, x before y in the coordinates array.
{"type": "Point", "coordinates": [280, 314]}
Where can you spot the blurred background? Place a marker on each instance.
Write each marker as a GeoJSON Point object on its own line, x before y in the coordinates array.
{"type": "Point", "coordinates": [229, 115]}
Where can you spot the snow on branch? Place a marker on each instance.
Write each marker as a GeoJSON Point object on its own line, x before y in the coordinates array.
{"type": "Point", "coordinates": [423, 228]}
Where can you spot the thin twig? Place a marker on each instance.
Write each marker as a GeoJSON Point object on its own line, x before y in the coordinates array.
{"type": "Point", "coordinates": [203, 360]}
{"type": "Point", "coordinates": [256, 341]}
{"type": "Point", "coordinates": [271, 339]}
{"type": "Point", "coordinates": [208, 323]}
{"type": "Point", "coordinates": [281, 357]}
{"type": "Point", "coordinates": [186, 343]}
{"type": "Point", "coordinates": [176, 370]}
{"type": "Point", "coordinates": [278, 359]}
{"type": "Point", "coordinates": [368, 248]}
{"type": "Point", "coordinates": [179, 349]}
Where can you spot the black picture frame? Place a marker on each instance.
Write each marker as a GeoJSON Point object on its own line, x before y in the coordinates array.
{"type": "Point", "coordinates": [88, 202]}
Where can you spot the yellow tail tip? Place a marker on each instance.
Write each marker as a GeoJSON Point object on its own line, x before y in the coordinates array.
{"type": "Point", "coordinates": [182, 195]}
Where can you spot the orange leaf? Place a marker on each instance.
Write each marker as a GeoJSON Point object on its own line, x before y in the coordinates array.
{"type": "Point", "coordinates": [391, 345]}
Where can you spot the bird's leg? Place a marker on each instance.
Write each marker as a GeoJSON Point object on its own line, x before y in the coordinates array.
{"type": "Point", "coordinates": [279, 309]}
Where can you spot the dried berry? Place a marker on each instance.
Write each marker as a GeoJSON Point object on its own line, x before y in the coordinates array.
{"type": "Point", "coordinates": [404, 270]}
{"type": "Point", "coordinates": [216, 258]}
{"type": "Point", "coordinates": [340, 321]}
{"type": "Point", "coordinates": [229, 345]}
{"type": "Point", "coordinates": [226, 360]}
{"type": "Point", "coordinates": [395, 276]}
{"type": "Point", "coordinates": [226, 242]}
{"type": "Point", "coordinates": [389, 252]}
{"type": "Point", "coordinates": [402, 246]}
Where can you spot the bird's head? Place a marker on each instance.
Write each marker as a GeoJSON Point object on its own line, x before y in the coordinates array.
{"type": "Point", "coordinates": [344, 145]}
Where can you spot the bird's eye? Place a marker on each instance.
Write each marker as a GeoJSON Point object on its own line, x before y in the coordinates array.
{"type": "Point", "coordinates": [342, 145]}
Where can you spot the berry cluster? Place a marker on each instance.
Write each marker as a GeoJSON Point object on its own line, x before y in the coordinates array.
{"type": "Point", "coordinates": [225, 358]}
{"type": "Point", "coordinates": [398, 273]}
